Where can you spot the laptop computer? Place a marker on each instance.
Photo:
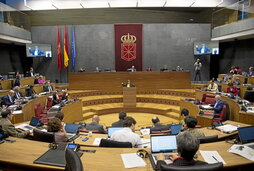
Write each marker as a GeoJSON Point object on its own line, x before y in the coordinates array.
{"type": "Point", "coordinates": [34, 121]}
{"type": "Point", "coordinates": [246, 136]}
{"type": "Point", "coordinates": [175, 129]}
{"type": "Point", "coordinates": [29, 127]}
{"type": "Point", "coordinates": [162, 144]}
{"type": "Point", "coordinates": [72, 131]}
{"type": "Point", "coordinates": [111, 130]}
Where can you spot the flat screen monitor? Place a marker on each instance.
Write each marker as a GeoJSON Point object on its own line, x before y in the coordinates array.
{"type": "Point", "coordinates": [38, 50]}
{"type": "Point", "coordinates": [206, 48]}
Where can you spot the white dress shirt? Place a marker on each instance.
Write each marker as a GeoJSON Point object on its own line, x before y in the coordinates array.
{"type": "Point", "coordinates": [126, 135]}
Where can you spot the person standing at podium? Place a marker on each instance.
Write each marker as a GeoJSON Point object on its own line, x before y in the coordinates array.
{"type": "Point", "coordinates": [128, 84]}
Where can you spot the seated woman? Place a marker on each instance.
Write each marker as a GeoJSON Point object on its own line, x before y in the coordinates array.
{"type": "Point", "coordinates": [41, 80]}
{"type": "Point", "coordinates": [187, 146]}
{"type": "Point", "coordinates": [232, 89]}
{"type": "Point", "coordinates": [191, 123]}
{"type": "Point", "coordinates": [213, 87]}
{"type": "Point", "coordinates": [55, 125]}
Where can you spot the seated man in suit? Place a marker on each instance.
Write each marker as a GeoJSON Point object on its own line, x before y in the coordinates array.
{"type": "Point", "coordinates": [251, 71]}
{"type": "Point", "coordinates": [17, 92]}
{"type": "Point", "coordinates": [30, 72]}
{"type": "Point", "coordinates": [127, 133]}
{"type": "Point", "coordinates": [97, 69]}
{"type": "Point", "coordinates": [164, 69]}
{"type": "Point", "coordinates": [94, 125]}
{"type": "Point", "coordinates": [132, 69]}
{"type": "Point", "coordinates": [157, 126]}
{"type": "Point", "coordinates": [122, 116]}
{"type": "Point", "coordinates": [213, 87]}
{"type": "Point", "coordinates": [187, 146]}
{"type": "Point", "coordinates": [128, 84]}
{"type": "Point", "coordinates": [48, 87]}
{"type": "Point", "coordinates": [30, 92]}
{"type": "Point", "coordinates": [8, 127]}
{"type": "Point", "coordinates": [191, 123]}
{"type": "Point", "coordinates": [218, 106]}
{"type": "Point", "coordinates": [9, 98]}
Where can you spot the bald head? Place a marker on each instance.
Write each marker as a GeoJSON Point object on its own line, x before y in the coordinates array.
{"type": "Point", "coordinates": [217, 97]}
{"type": "Point", "coordinates": [95, 118]}
{"type": "Point", "coordinates": [11, 93]}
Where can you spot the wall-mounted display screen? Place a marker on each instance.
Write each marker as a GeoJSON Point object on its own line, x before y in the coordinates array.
{"type": "Point", "coordinates": [38, 50]}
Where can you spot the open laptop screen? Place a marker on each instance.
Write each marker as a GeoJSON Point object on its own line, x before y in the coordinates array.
{"type": "Point", "coordinates": [163, 143]}
{"type": "Point", "coordinates": [34, 121]}
{"type": "Point", "coordinates": [71, 128]}
{"type": "Point", "coordinates": [246, 134]}
{"type": "Point", "coordinates": [175, 129]}
{"type": "Point", "coordinates": [111, 130]}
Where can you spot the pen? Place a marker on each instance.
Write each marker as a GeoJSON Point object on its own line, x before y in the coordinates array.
{"type": "Point", "coordinates": [215, 158]}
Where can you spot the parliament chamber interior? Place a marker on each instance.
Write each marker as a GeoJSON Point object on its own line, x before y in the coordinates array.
{"type": "Point", "coordinates": [127, 85]}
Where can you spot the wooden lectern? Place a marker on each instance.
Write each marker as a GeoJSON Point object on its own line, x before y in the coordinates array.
{"type": "Point", "coordinates": [129, 96]}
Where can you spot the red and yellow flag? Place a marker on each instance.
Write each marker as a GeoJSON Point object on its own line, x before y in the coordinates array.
{"type": "Point", "coordinates": [59, 54]}
{"type": "Point", "coordinates": [66, 48]}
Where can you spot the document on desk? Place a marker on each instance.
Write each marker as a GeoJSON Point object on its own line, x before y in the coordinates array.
{"type": "Point", "coordinates": [206, 106]}
{"type": "Point", "coordinates": [243, 151]}
{"type": "Point", "coordinates": [145, 131]}
{"type": "Point", "coordinates": [145, 143]}
{"type": "Point", "coordinates": [17, 112]}
{"type": "Point", "coordinates": [211, 157]}
{"type": "Point", "coordinates": [132, 160]}
{"type": "Point", "coordinates": [227, 128]}
{"type": "Point", "coordinates": [97, 141]}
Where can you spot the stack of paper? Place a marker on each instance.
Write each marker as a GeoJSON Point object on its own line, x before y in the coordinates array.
{"type": "Point", "coordinates": [212, 157]}
{"type": "Point", "coordinates": [243, 150]}
{"type": "Point", "coordinates": [132, 160]}
{"type": "Point", "coordinates": [227, 128]}
{"type": "Point", "coordinates": [145, 131]}
{"type": "Point", "coordinates": [97, 141]}
{"type": "Point", "coordinates": [145, 143]}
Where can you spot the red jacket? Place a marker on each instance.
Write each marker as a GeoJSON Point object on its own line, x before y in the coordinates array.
{"type": "Point", "coordinates": [233, 90]}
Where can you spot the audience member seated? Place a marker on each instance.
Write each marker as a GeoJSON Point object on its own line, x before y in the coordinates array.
{"type": "Point", "coordinates": [60, 116]}
{"type": "Point", "coordinates": [232, 89]}
{"type": "Point", "coordinates": [41, 80]}
{"type": "Point", "coordinates": [239, 71]}
{"type": "Point", "coordinates": [149, 69]}
{"type": "Point", "coordinates": [187, 146]}
{"type": "Point", "coordinates": [55, 125]}
{"type": "Point", "coordinates": [184, 113]}
{"type": "Point", "coordinates": [132, 69]}
{"type": "Point", "coordinates": [48, 87]}
{"type": "Point", "coordinates": [236, 81]}
{"type": "Point", "coordinates": [227, 78]}
{"type": "Point", "coordinates": [9, 98]}
{"type": "Point", "coordinates": [218, 106]}
{"type": "Point", "coordinates": [164, 69]}
{"type": "Point", "coordinates": [128, 84]}
{"type": "Point", "coordinates": [17, 80]}
{"type": "Point", "coordinates": [249, 94]}
{"type": "Point", "coordinates": [8, 127]}
{"type": "Point", "coordinates": [30, 92]}
{"type": "Point", "coordinates": [178, 68]}
{"type": "Point", "coordinates": [95, 126]}
{"type": "Point", "coordinates": [17, 93]}
{"type": "Point", "coordinates": [30, 72]}
{"type": "Point", "coordinates": [127, 133]}
{"type": "Point", "coordinates": [122, 116]}
{"type": "Point", "coordinates": [233, 70]}
{"type": "Point", "coordinates": [97, 69]}
{"type": "Point", "coordinates": [65, 95]}
{"type": "Point", "coordinates": [191, 123]}
{"type": "Point", "coordinates": [213, 87]}
{"type": "Point", "coordinates": [157, 126]}
{"type": "Point", "coordinates": [56, 99]}
{"type": "Point", "coordinates": [81, 69]}
{"type": "Point", "coordinates": [251, 71]}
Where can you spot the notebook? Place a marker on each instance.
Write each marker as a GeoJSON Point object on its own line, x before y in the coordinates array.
{"type": "Point", "coordinates": [111, 130]}
{"type": "Point", "coordinates": [176, 128]}
{"type": "Point", "coordinates": [162, 144]}
{"type": "Point", "coordinates": [246, 135]}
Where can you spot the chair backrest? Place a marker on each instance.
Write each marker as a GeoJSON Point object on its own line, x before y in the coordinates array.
{"type": "Point", "coordinates": [73, 162]}
{"type": "Point", "coordinates": [161, 132]}
{"type": "Point", "coordinates": [49, 102]}
{"type": "Point", "coordinates": [204, 167]}
{"type": "Point", "coordinates": [39, 135]}
{"type": "Point", "coordinates": [115, 144]}
{"type": "Point", "coordinates": [222, 114]}
{"type": "Point", "coordinates": [208, 139]}
{"type": "Point", "coordinates": [37, 110]}
{"type": "Point", "coordinates": [208, 98]}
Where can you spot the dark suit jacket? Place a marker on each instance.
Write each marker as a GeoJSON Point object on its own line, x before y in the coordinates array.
{"type": "Point", "coordinates": [159, 127]}
{"type": "Point", "coordinates": [118, 123]}
{"type": "Point", "coordinates": [218, 108]}
{"type": "Point", "coordinates": [131, 85]}
{"type": "Point", "coordinates": [30, 92]}
{"type": "Point", "coordinates": [6, 100]}
{"type": "Point", "coordinates": [95, 126]}
{"type": "Point", "coordinates": [181, 162]}
{"type": "Point", "coordinates": [15, 96]}
{"type": "Point", "coordinates": [46, 88]}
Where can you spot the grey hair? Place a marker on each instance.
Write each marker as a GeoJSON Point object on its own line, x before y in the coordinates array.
{"type": "Point", "coordinates": [187, 145]}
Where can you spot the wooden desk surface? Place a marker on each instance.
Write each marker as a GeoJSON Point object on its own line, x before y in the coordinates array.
{"type": "Point", "coordinates": [21, 154]}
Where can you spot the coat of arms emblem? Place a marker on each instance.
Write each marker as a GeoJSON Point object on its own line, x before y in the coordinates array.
{"type": "Point", "coordinates": [128, 47]}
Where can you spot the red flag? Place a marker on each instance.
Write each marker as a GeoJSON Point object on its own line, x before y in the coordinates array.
{"type": "Point", "coordinates": [66, 49]}
{"type": "Point", "coordinates": [59, 54]}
